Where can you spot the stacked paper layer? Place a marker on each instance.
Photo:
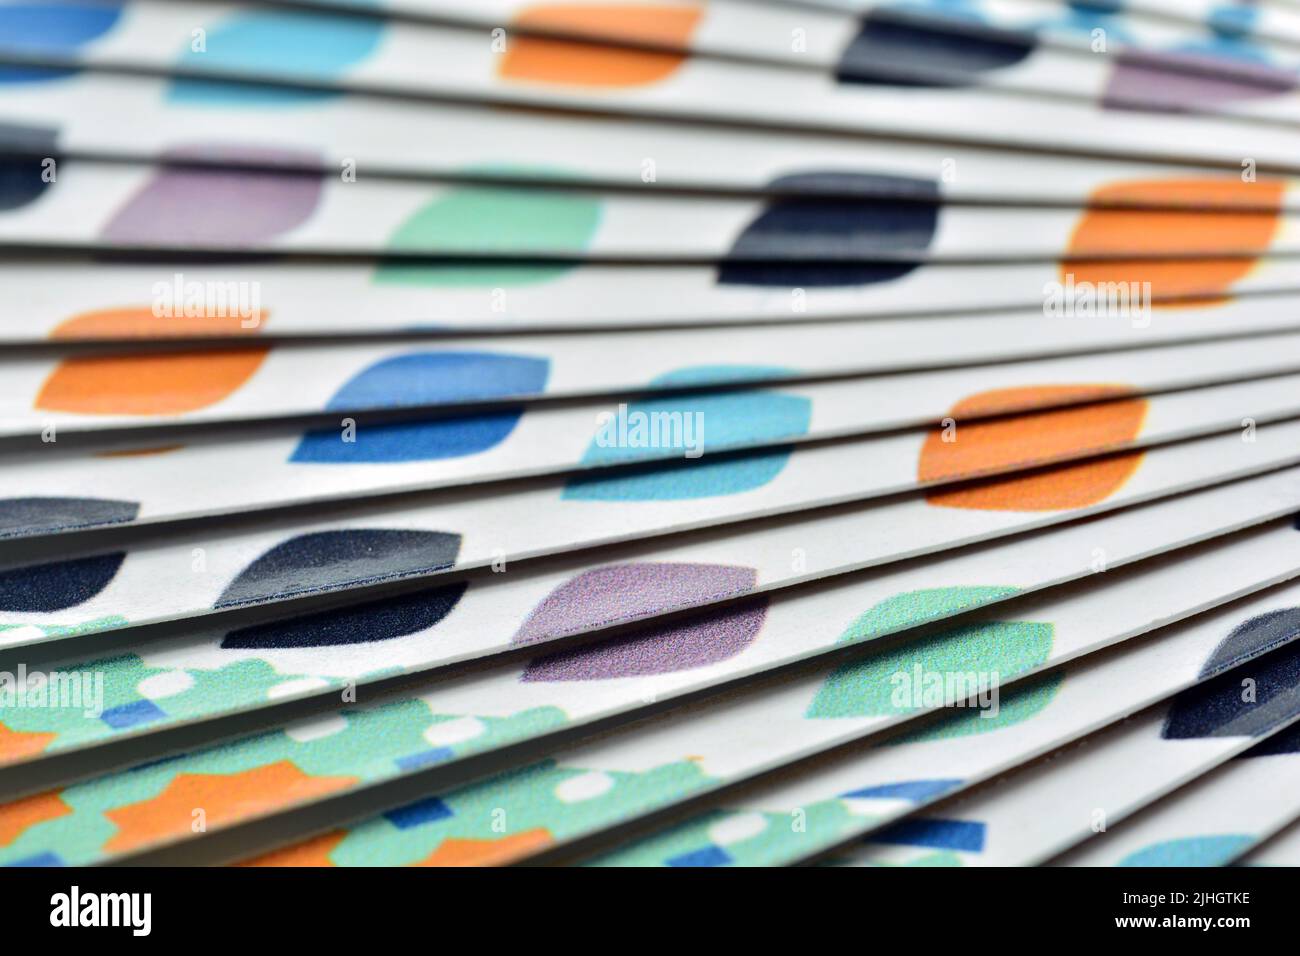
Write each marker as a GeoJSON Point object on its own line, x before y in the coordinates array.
{"type": "Point", "coordinates": [650, 432]}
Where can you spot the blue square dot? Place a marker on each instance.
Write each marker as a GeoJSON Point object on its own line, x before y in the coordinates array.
{"type": "Point", "coordinates": [132, 715]}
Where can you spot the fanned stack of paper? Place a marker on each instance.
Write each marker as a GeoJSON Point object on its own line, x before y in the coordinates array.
{"type": "Point", "coordinates": [629, 432]}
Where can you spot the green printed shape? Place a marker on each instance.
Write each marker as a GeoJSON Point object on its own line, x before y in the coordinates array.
{"type": "Point", "coordinates": [228, 688]}
{"type": "Point", "coordinates": [1015, 706]}
{"type": "Point", "coordinates": [507, 220]}
{"type": "Point", "coordinates": [868, 687]}
{"type": "Point", "coordinates": [501, 731]}
{"type": "Point", "coordinates": [787, 837]}
{"type": "Point", "coordinates": [73, 725]}
{"type": "Point", "coordinates": [107, 623]}
{"type": "Point", "coordinates": [519, 801]}
{"type": "Point", "coordinates": [367, 747]}
{"type": "Point", "coordinates": [914, 608]}
{"type": "Point", "coordinates": [220, 690]}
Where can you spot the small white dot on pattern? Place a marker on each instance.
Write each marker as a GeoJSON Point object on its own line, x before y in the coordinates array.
{"type": "Point", "coordinates": [292, 688]}
{"type": "Point", "coordinates": [19, 635]}
{"type": "Point", "coordinates": [587, 786]}
{"type": "Point", "coordinates": [736, 828]}
{"type": "Point", "coordinates": [166, 684]}
{"type": "Point", "coordinates": [448, 732]}
{"type": "Point", "coordinates": [316, 729]}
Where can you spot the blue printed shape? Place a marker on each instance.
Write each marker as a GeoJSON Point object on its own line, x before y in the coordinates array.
{"type": "Point", "coordinates": [890, 52]}
{"type": "Point", "coordinates": [708, 856]}
{"type": "Point", "coordinates": [939, 834]}
{"type": "Point", "coordinates": [719, 420]}
{"type": "Point", "coordinates": [365, 623]}
{"type": "Point", "coordinates": [849, 240]}
{"type": "Point", "coordinates": [285, 45]}
{"type": "Point", "coordinates": [56, 27]}
{"type": "Point", "coordinates": [425, 758]}
{"type": "Point", "coordinates": [915, 791]}
{"type": "Point", "coordinates": [330, 560]}
{"type": "Point", "coordinates": [419, 813]}
{"type": "Point", "coordinates": [57, 585]}
{"type": "Point", "coordinates": [1217, 850]}
{"type": "Point", "coordinates": [134, 714]}
{"type": "Point", "coordinates": [39, 859]}
{"type": "Point", "coordinates": [1231, 25]}
{"type": "Point", "coordinates": [428, 378]}
{"type": "Point", "coordinates": [52, 28]}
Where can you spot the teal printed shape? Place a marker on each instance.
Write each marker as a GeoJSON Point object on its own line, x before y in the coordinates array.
{"type": "Point", "coordinates": [692, 842]}
{"type": "Point", "coordinates": [700, 424]}
{"type": "Point", "coordinates": [1016, 705]}
{"type": "Point", "coordinates": [1218, 850]}
{"type": "Point", "coordinates": [289, 45]}
{"type": "Point", "coordinates": [544, 800]}
{"type": "Point", "coordinates": [501, 220]}
{"type": "Point", "coordinates": [887, 683]}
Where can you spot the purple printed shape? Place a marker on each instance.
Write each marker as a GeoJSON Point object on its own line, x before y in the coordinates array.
{"type": "Point", "coordinates": [626, 592]}
{"type": "Point", "coordinates": [1144, 83]}
{"type": "Point", "coordinates": [192, 205]}
{"type": "Point", "coordinates": [619, 593]}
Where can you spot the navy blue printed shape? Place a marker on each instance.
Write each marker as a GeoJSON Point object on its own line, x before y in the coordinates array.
{"type": "Point", "coordinates": [27, 516]}
{"type": "Point", "coordinates": [57, 585]}
{"type": "Point", "coordinates": [358, 624]}
{"type": "Point", "coordinates": [330, 560]}
{"type": "Point", "coordinates": [1279, 745]}
{"type": "Point", "coordinates": [419, 813]}
{"type": "Point", "coordinates": [874, 216]}
{"type": "Point", "coordinates": [22, 163]}
{"type": "Point", "coordinates": [892, 52]}
{"type": "Point", "coordinates": [937, 834]}
{"type": "Point", "coordinates": [1216, 708]}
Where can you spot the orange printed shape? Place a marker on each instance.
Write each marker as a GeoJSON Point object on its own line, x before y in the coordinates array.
{"type": "Point", "coordinates": [1058, 489]}
{"type": "Point", "coordinates": [1225, 192]}
{"type": "Point", "coordinates": [1111, 231]}
{"type": "Point", "coordinates": [165, 383]}
{"type": "Point", "coordinates": [18, 816]}
{"type": "Point", "coordinates": [1208, 281]}
{"type": "Point", "coordinates": [1243, 234]}
{"type": "Point", "coordinates": [469, 852]}
{"type": "Point", "coordinates": [17, 744]}
{"type": "Point", "coordinates": [224, 799]}
{"type": "Point", "coordinates": [983, 447]}
{"type": "Point", "coordinates": [140, 323]}
{"type": "Point", "coordinates": [577, 63]}
{"type": "Point", "coordinates": [313, 852]}
{"type": "Point", "coordinates": [1002, 401]}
